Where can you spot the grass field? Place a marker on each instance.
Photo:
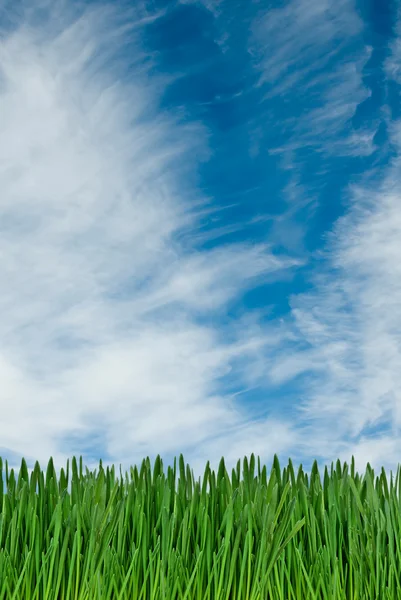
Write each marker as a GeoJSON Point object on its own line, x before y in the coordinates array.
{"type": "Point", "coordinates": [246, 535]}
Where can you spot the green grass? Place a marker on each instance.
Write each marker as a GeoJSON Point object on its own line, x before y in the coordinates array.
{"type": "Point", "coordinates": [152, 535]}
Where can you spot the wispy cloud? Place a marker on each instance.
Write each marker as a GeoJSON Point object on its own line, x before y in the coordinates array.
{"type": "Point", "coordinates": [393, 65]}
{"type": "Point", "coordinates": [349, 330]}
{"type": "Point", "coordinates": [108, 340]}
{"type": "Point", "coordinates": [303, 29]}
{"type": "Point", "coordinates": [343, 342]}
{"type": "Point", "coordinates": [310, 59]}
{"type": "Point", "coordinates": [306, 55]}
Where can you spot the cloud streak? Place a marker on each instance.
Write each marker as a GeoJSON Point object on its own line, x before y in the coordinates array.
{"type": "Point", "coordinates": [342, 344]}
{"type": "Point", "coordinates": [305, 50]}
{"type": "Point", "coordinates": [349, 329]}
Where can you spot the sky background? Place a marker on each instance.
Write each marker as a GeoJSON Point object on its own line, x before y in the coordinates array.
{"type": "Point", "coordinates": [200, 231]}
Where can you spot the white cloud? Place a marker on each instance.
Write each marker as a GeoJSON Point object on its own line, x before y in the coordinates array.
{"type": "Point", "coordinates": [350, 328]}
{"type": "Point", "coordinates": [393, 64]}
{"type": "Point", "coordinates": [100, 300]}
{"type": "Point", "coordinates": [343, 343]}
{"type": "Point", "coordinates": [305, 50]}
{"type": "Point", "coordinates": [303, 28]}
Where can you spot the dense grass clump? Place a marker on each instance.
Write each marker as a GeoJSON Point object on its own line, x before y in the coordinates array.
{"type": "Point", "coordinates": [156, 536]}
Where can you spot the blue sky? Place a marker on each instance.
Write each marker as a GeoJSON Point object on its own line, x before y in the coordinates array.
{"type": "Point", "coordinates": [200, 231]}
